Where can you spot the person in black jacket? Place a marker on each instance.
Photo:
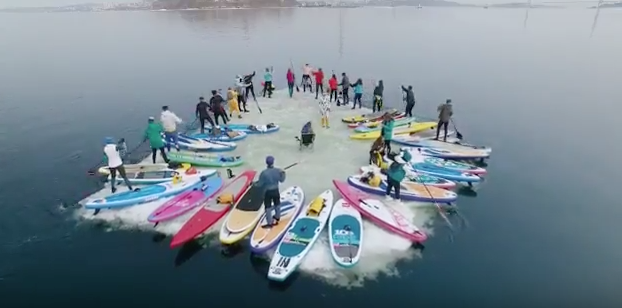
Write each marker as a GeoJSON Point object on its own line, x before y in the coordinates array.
{"type": "Point", "coordinates": [202, 113]}
{"type": "Point", "coordinates": [410, 100]}
{"type": "Point", "coordinates": [216, 104]}
{"type": "Point", "coordinates": [248, 81]}
{"type": "Point", "coordinates": [378, 91]}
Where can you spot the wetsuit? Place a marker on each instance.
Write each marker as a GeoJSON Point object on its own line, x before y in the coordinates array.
{"type": "Point", "coordinates": [410, 101]}
{"type": "Point", "coordinates": [345, 89]}
{"type": "Point", "coordinates": [219, 111]}
{"type": "Point", "coordinates": [248, 80]}
{"type": "Point", "coordinates": [378, 91]}
{"type": "Point", "coordinates": [203, 115]}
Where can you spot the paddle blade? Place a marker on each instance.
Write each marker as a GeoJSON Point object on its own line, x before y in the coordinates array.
{"type": "Point", "coordinates": [459, 135]}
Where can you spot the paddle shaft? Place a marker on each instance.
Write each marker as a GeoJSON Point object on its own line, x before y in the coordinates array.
{"type": "Point", "coordinates": [458, 134]}
{"type": "Point", "coordinates": [440, 210]}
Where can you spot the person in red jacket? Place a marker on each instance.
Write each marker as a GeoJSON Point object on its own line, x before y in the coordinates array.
{"type": "Point", "coordinates": [319, 81]}
{"type": "Point", "coordinates": [333, 84]}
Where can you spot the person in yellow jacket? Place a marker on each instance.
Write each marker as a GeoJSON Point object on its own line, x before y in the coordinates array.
{"type": "Point", "coordinates": [232, 99]}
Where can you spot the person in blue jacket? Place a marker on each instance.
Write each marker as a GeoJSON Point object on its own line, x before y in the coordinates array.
{"type": "Point", "coordinates": [387, 131]}
{"type": "Point", "coordinates": [269, 180]}
{"type": "Point", "coordinates": [396, 173]}
{"type": "Point", "coordinates": [358, 92]}
{"type": "Point", "coordinates": [267, 82]}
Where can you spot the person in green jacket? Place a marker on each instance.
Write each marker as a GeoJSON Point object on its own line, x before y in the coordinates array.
{"type": "Point", "coordinates": [387, 131]}
{"type": "Point", "coordinates": [153, 133]}
{"type": "Point", "coordinates": [396, 173]}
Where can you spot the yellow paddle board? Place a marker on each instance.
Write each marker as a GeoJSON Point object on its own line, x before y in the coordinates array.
{"type": "Point", "coordinates": [413, 128]}
{"type": "Point", "coordinates": [367, 117]}
{"type": "Point", "coordinates": [243, 217]}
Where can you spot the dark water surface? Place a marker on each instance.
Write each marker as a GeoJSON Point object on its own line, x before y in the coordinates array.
{"type": "Point", "coordinates": [543, 230]}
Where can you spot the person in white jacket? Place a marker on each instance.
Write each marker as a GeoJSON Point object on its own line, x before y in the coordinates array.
{"type": "Point", "coordinates": [169, 123]}
{"type": "Point", "coordinates": [324, 105]}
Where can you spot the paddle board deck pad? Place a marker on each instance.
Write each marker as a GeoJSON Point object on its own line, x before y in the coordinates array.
{"type": "Point", "coordinates": [186, 201]}
{"type": "Point", "coordinates": [380, 214]}
{"type": "Point", "coordinates": [211, 210]}
{"type": "Point", "coordinates": [369, 116]}
{"type": "Point", "coordinates": [371, 123]}
{"type": "Point", "coordinates": [418, 157]}
{"type": "Point", "coordinates": [428, 180]}
{"type": "Point", "coordinates": [243, 216]}
{"type": "Point", "coordinates": [300, 237]}
{"type": "Point", "coordinates": [144, 194]}
{"type": "Point", "coordinates": [263, 238]}
{"type": "Point", "coordinates": [408, 191]}
{"type": "Point", "coordinates": [254, 129]}
{"type": "Point", "coordinates": [413, 128]}
{"type": "Point", "coordinates": [134, 168]}
{"type": "Point", "coordinates": [223, 136]}
{"type": "Point", "coordinates": [345, 234]}
{"type": "Point", "coordinates": [197, 144]}
{"type": "Point", "coordinates": [366, 128]}
{"type": "Point", "coordinates": [206, 160]}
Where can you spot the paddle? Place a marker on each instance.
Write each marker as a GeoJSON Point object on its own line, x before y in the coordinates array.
{"type": "Point", "coordinates": [291, 64]}
{"type": "Point", "coordinates": [458, 134]}
{"type": "Point", "coordinates": [440, 210]}
{"type": "Point", "coordinates": [92, 170]}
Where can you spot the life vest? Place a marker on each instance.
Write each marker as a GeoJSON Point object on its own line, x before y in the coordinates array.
{"type": "Point", "coordinates": [225, 199]}
{"type": "Point", "coordinates": [191, 170]}
{"type": "Point", "coordinates": [176, 179]}
{"type": "Point", "coordinates": [316, 207]}
{"type": "Point", "coordinates": [375, 181]}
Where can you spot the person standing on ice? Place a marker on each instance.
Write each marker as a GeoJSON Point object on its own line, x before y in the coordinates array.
{"type": "Point", "coordinates": [358, 92]}
{"type": "Point", "coordinates": [319, 82]}
{"type": "Point", "coordinates": [153, 133]}
{"type": "Point", "coordinates": [269, 180]}
{"type": "Point", "coordinates": [378, 93]}
{"type": "Point", "coordinates": [345, 89]}
{"type": "Point", "coordinates": [396, 173]}
{"type": "Point", "coordinates": [248, 81]}
{"type": "Point", "coordinates": [410, 100]}
{"type": "Point", "coordinates": [291, 82]}
{"type": "Point", "coordinates": [324, 105]}
{"type": "Point", "coordinates": [202, 113]}
{"type": "Point", "coordinates": [306, 78]}
{"type": "Point", "coordinates": [267, 82]}
{"type": "Point", "coordinates": [115, 163]}
{"type": "Point", "coordinates": [387, 131]}
{"type": "Point", "coordinates": [239, 88]}
{"type": "Point", "coordinates": [169, 122]}
{"type": "Point", "coordinates": [445, 111]}
{"type": "Point", "coordinates": [333, 85]}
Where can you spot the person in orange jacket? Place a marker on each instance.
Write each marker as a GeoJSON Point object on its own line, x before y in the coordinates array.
{"type": "Point", "coordinates": [319, 82]}
{"type": "Point", "coordinates": [333, 84]}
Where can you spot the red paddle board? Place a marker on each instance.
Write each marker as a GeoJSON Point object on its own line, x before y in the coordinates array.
{"type": "Point", "coordinates": [211, 212]}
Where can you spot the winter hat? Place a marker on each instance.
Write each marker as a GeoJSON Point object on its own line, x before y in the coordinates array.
{"type": "Point", "coordinates": [270, 161]}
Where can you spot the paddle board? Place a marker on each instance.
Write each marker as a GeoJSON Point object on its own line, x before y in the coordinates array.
{"type": "Point", "coordinates": [205, 159]}
{"type": "Point", "coordinates": [365, 128]}
{"type": "Point", "coordinates": [368, 117]}
{"type": "Point", "coordinates": [154, 177]}
{"type": "Point", "coordinates": [197, 144]}
{"type": "Point", "coordinates": [243, 216]}
{"type": "Point", "coordinates": [345, 234]}
{"type": "Point", "coordinates": [383, 216]}
{"type": "Point", "coordinates": [408, 191]}
{"type": "Point", "coordinates": [413, 128]}
{"type": "Point", "coordinates": [186, 201]}
{"type": "Point", "coordinates": [370, 123]}
{"type": "Point", "coordinates": [211, 211]}
{"type": "Point", "coordinates": [223, 136]}
{"type": "Point", "coordinates": [144, 194]}
{"type": "Point", "coordinates": [428, 180]}
{"type": "Point", "coordinates": [418, 157]}
{"type": "Point", "coordinates": [300, 237]}
{"type": "Point", "coordinates": [133, 168]}
{"type": "Point", "coordinates": [259, 129]}
{"type": "Point", "coordinates": [263, 238]}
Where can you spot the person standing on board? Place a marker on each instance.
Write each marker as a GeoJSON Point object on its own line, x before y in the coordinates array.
{"type": "Point", "coordinates": [445, 111]}
{"type": "Point", "coordinates": [248, 81]}
{"type": "Point", "coordinates": [153, 133]}
{"type": "Point", "coordinates": [345, 88]}
{"type": "Point", "coordinates": [333, 85]}
{"type": "Point", "coordinates": [268, 182]}
{"type": "Point", "coordinates": [319, 82]}
{"type": "Point", "coordinates": [306, 78]}
{"type": "Point", "coordinates": [396, 173]}
{"type": "Point", "coordinates": [169, 122]}
{"type": "Point", "coordinates": [358, 92]}
{"type": "Point", "coordinates": [291, 82]}
{"type": "Point", "coordinates": [202, 113]}
{"type": "Point", "coordinates": [410, 100]}
{"type": "Point", "coordinates": [378, 92]}
{"type": "Point", "coordinates": [115, 163]}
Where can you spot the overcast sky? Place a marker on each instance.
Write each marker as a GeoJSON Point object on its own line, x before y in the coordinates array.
{"type": "Point", "coordinates": [38, 3]}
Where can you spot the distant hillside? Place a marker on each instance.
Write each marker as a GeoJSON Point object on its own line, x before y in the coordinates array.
{"type": "Point", "coordinates": [522, 5]}
{"type": "Point", "coordinates": [609, 5]}
{"type": "Point", "coordinates": [198, 4]}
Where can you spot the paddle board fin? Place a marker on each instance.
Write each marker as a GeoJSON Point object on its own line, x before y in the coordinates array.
{"type": "Point", "coordinates": [96, 212]}
{"type": "Point", "coordinates": [156, 224]}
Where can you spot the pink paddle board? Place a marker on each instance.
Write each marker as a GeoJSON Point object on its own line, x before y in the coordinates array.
{"type": "Point", "coordinates": [187, 201]}
{"type": "Point", "coordinates": [380, 214]}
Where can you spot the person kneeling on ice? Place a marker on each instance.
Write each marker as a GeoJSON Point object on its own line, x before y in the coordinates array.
{"type": "Point", "coordinates": [371, 179]}
{"type": "Point", "coordinates": [154, 133]}
{"type": "Point", "coordinates": [396, 173]}
{"type": "Point", "coordinates": [377, 148]}
{"type": "Point", "coordinates": [324, 105]}
{"type": "Point", "coordinates": [269, 180]}
{"type": "Point", "coordinates": [115, 163]}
